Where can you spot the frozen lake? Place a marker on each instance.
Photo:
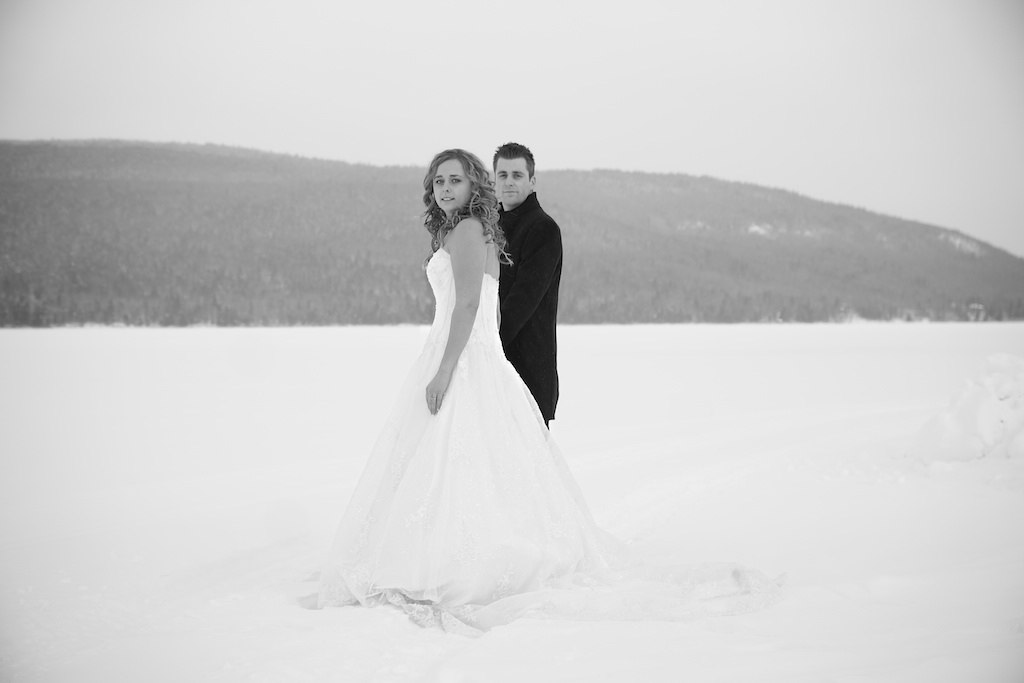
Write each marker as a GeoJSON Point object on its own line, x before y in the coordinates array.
{"type": "Point", "coordinates": [167, 494]}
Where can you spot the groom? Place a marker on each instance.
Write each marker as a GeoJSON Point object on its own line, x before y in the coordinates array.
{"type": "Point", "coordinates": [528, 288]}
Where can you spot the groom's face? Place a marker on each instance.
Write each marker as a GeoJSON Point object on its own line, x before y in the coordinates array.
{"type": "Point", "coordinates": [513, 182]}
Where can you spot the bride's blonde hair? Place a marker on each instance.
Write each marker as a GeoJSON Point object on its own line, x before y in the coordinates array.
{"type": "Point", "coordinates": [482, 204]}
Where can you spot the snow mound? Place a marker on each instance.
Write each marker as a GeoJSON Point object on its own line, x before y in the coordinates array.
{"type": "Point", "coordinates": [985, 419]}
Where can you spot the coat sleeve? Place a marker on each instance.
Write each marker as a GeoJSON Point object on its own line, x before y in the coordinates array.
{"type": "Point", "coordinates": [539, 258]}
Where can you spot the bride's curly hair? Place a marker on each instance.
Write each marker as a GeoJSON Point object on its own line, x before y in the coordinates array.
{"type": "Point", "coordinates": [482, 204]}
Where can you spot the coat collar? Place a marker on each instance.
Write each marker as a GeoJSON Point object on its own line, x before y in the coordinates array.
{"type": "Point", "coordinates": [512, 217]}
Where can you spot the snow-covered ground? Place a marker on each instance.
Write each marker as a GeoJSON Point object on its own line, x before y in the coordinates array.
{"type": "Point", "coordinates": [167, 494]}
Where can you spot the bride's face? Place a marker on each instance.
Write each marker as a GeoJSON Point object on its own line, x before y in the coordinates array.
{"type": "Point", "coordinates": [451, 187]}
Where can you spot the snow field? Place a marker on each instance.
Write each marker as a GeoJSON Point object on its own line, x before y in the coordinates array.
{"type": "Point", "coordinates": [167, 495]}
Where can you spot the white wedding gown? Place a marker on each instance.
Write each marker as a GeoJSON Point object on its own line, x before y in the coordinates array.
{"type": "Point", "coordinates": [469, 518]}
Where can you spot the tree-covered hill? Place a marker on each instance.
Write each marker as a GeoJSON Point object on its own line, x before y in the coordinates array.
{"type": "Point", "coordinates": [162, 234]}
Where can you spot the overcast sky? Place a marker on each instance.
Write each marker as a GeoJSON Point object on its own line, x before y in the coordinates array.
{"type": "Point", "coordinates": [913, 108]}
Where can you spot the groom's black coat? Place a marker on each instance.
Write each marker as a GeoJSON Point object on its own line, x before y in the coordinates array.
{"type": "Point", "coordinates": [528, 291]}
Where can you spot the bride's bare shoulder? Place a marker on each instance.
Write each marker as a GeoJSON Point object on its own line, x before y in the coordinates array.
{"type": "Point", "coordinates": [468, 233]}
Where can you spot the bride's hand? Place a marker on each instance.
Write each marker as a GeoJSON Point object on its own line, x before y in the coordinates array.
{"type": "Point", "coordinates": [436, 390]}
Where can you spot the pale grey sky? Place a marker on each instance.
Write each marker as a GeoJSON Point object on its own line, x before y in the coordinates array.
{"type": "Point", "coordinates": [907, 107]}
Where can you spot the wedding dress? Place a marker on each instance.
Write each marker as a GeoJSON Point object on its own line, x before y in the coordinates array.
{"type": "Point", "coordinates": [470, 518]}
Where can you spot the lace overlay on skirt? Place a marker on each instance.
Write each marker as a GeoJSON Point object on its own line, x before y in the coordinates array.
{"type": "Point", "coordinates": [470, 518]}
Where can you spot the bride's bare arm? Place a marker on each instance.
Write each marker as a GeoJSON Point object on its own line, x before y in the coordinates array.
{"type": "Point", "coordinates": [468, 252]}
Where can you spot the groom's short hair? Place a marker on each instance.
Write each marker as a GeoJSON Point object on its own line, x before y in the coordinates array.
{"type": "Point", "coordinates": [513, 150]}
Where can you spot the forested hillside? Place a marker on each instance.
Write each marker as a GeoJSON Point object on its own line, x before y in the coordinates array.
{"type": "Point", "coordinates": [158, 234]}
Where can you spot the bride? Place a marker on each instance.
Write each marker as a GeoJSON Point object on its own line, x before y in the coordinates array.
{"type": "Point", "coordinates": [466, 516]}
